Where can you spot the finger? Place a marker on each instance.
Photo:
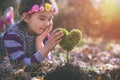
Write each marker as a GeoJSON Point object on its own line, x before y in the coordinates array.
{"type": "Point", "coordinates": [57, 41]}
{"type": "Point", "coordinates": [45, 33]}
{"type": "Point", "coordinates": [57, 37]}
{"type": "Point", "coordinates": [58, 34]}
{"type": "Point", "coordinates": [55, 30]}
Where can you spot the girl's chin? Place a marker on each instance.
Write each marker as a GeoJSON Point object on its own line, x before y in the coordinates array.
{"type": "Point", "coordinates": [35, 33]}
{"type": "Point", "coordinates": [39, 32]}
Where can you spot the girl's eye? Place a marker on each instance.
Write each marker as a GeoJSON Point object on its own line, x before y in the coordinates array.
{"type": "Point", "coordinates": [42, 19]}
{"type": "Point", "coordinates": [50, 19]}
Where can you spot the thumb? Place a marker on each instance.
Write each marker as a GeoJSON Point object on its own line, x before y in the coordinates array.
{"type": "Point", "coordinates": [47, 31]}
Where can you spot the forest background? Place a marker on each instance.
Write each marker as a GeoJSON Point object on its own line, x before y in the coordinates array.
{"type": "Point", "coordinates": [96, 18]}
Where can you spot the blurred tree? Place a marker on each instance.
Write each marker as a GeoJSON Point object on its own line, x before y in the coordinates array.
{"type": "Point", "coordinates": [96, 19]}
{"type": "Point", "coordinates": [79, 14]}
{"type": "Point", "coordinates": [110, 18]}
{"type": "Point", "coordinates": [88, 16]}
{"type": "Point", "coordinates": [5, 4]}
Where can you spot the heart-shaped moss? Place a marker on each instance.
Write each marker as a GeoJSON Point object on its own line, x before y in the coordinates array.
{"type": "Point", "coordinates": [70, 39]}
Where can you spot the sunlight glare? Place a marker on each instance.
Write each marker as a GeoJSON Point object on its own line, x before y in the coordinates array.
{"type": "Point", "coordinates": [96, 3]}
{"type": "Point", "coordinates": [108, 9]}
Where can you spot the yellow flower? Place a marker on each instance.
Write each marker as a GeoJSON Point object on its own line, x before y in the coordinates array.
{"type": "Point", "coordinates": [47, 7]}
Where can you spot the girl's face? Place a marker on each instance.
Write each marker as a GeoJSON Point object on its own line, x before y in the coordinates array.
{"type": "Point", "coordinates": [39, 21]}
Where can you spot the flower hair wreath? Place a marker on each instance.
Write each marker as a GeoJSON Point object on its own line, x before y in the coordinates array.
{"type": "Point", "coordinates": [48, 7]}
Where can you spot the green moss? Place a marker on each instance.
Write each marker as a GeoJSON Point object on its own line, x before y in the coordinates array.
{"type": "Point", "coordinates": [64, 37]}
{"type": "Point", "coordinates": [70, 39]}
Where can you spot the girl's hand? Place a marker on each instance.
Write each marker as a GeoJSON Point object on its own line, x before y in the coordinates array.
{"type": "Point", "coordinates": [56, 37]}
{"type": "Point", "coordinates": [41, 37]}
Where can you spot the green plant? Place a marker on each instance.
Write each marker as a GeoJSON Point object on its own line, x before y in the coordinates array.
{"type": "Point", "coordinates": [70, 40]}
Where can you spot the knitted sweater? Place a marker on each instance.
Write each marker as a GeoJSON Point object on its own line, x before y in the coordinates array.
{"type": "Point", "coordinates": [21, 46]}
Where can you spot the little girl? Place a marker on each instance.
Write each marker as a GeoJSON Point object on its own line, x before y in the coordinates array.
{"type": "Point", "coordinates": [24, 40]}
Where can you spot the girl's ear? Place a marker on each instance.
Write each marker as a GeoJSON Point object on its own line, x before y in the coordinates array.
{"type": "Point", "coordinates": [25, 17]}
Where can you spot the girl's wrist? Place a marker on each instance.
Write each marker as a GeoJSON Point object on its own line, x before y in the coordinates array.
{"type": "Point", "coordinates": [39, 45]}
{"type": "Point", "coordinates": [44, 51]}
{"type": "Point", "coordinates": [38, 40]}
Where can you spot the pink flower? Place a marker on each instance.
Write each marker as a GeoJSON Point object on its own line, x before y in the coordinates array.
{"type": "Point", "coordinates": [35, 8]}
{"type": "Point", "coordinates": [54, 10]}
{"type": "Point", "coordinates": [41, 8]}
{"type": "Point", "coordinates": [47, 7]}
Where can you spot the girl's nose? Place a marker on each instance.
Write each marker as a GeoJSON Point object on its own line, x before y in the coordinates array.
{"type": "Point", "coordinates": [46, 23]}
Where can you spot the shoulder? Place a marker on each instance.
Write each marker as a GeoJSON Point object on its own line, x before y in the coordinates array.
{"type": "Point", "coordinates": [12, 36]}
{"type": "Point", "coordinates": [12, 28]}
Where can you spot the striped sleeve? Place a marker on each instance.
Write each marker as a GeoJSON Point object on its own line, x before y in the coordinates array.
{"type": "Point", "coordinates": [15, 50]}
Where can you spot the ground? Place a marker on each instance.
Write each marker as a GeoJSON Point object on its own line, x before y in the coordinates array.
{"type": "Point", "coordinates": [100, 59]}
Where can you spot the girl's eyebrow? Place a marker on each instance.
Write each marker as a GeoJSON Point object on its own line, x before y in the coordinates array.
{"type": "Point", "coordinates": [45, 16]}
{"type": "Point", "coordinates": [42, 16]}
